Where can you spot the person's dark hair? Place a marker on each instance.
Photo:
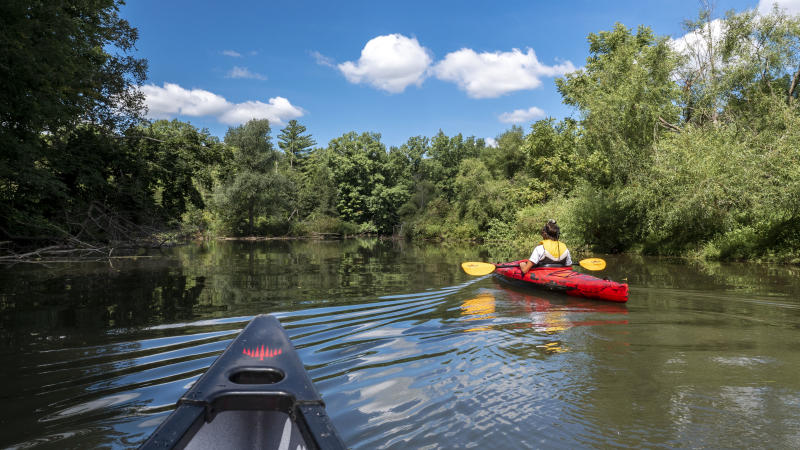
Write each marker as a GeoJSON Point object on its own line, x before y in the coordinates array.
{"type": "Point", "coordinates": [551, 230]}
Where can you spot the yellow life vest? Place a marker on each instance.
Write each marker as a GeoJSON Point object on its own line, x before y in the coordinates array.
{"type": "Point", "coordinates": [554, 248]}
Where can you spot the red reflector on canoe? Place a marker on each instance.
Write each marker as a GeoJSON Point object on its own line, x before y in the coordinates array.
{"type": "Point", "coordinates": [262, 352]}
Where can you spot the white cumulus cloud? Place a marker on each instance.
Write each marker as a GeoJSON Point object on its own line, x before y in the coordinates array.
{"type": "Point", "coordinates": [695, 43]}
{"type": "Point", "coordinates": [522, 115]}
{"type": "Point", "coordinates": [278, 110]}
{"type": "Point", "coordinates": [390, 63]}
{"type": "Point", "coordinates": [244, 72]}
{"type": "Point", "coordinates": [489, 75]}
{"type": "Point", "coordinates": [491, 142]}
{"type": "Point", "coordinates": [789, 6]}
{"type": "Point", "coordinates": [172, 100]}
{"type": "Point", "coordinates": [232, 53]}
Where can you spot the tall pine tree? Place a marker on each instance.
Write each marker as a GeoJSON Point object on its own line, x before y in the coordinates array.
{"type": "Point", "coordinates": [292, 141]}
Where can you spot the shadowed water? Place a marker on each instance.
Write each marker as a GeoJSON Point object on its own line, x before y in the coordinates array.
{"type": "Point", "coordinates": [406, 350]}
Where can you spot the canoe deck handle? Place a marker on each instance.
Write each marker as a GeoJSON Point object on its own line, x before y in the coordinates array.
{"type": "Point", "coordinates": [261, 375]}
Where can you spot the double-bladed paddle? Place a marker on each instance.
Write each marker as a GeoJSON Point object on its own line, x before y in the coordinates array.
{"type": "Point", "coordinates": [481, 268]}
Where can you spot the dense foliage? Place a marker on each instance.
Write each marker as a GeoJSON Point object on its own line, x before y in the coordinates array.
{"type": "Point", "coordinates": [678, 147]}
{"type": "Point", "coordinates": [66, 76]}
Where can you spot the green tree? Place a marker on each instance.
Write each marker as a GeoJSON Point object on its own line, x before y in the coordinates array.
{"type": "Point", "coordinates": [358, 164]}
{"type": "Point", "coordinates": [739, 68]}
{"type": "Point", "coordinates": [727, 184]}
{"type": "Point", "coordinates": [101, 174]}
{"type": "Point", "coordinates": [624, 94]}
{"type": "Point", "coordinates": [700, 72]}
{"type": "Point", "coordinates": [318, 190]}
{"type": "Point", "coordinates": [446, 154]}
{"type": "Point", "coordinates": [762, 68]}
{"type": "Point", "coordinates": [508, 157]}
{"type": "Point", "coordinates": [478, 196]}
{"type": "Point", "coordinates": [405, 173]}
{"type": "Point", "coordinates": [180, 163]}
{"type": "Point", "coordinates": [252, 185]}
{"type": "Point", "coordinates": [552, 151]}
{"type": "Point", "coordinates": [294, 143]}
{"type": "Point", "coordinates": [62, 64]}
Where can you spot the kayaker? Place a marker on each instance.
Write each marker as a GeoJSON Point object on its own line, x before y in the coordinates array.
{"type": "Point", "coordinates": [550, 252]}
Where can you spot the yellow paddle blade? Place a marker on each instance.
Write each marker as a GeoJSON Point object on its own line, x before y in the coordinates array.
{"type": "Point", "coordinates": [593, 264]}
{"type": "Point", "coordinates": [478, 268]}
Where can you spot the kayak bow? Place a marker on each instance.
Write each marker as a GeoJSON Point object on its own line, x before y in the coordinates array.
{"type": "Point", "coordinates": [257, 394]}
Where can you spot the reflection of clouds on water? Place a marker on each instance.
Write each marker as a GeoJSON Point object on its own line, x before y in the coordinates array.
{"type": "Point", "coordinates": [393, 346]}
{"type": "Point", "coordinates": [385, 397]}
{"type": "Point", "coordinates": [153, 422]}
{"type": "Point", "coordinates": [380, 395]}
{"type": "Point", "coordinates": [749, 401]}
{"type": "Point", "coordinates": [92, 405]}
{"type": "Point", "coordinates": [373, 332]}
{"type": "Point", "coordinates": [200, 323]}
{"type": "Point", "coordinates": [680, 410]}
{"type": "Point", "coordinates": [740, 361]}
{"type": "Point", "coordinates": [49, 439]}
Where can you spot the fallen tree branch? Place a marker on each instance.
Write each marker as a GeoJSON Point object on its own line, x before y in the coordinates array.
{"type": "Point", "coordinates": [99, 232]}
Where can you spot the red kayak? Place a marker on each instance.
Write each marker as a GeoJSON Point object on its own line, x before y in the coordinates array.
{"type": "Point", "coordinates": [566, 280]}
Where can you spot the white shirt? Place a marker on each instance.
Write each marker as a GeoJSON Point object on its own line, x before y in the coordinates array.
{"type": "Point", "coordinates": [539, 253]}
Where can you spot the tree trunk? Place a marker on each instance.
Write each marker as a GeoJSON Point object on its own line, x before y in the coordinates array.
{"type": "Point", "coordinates": [251, 214]}
{"type": "Point", "coordinates": [795, 80]}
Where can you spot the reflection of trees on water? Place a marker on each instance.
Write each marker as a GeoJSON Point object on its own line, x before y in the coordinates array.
{"type": "Point", "coordinates": [96, 296]}
{"type": "Point", "coordinates": [216, 278]}
{"type": "Point", "coordinates": [213, 280]}
{"type": "Point", "coordinates": [72, 379]}
{"type": "Point", "coordinates": [280, 275]}
{"type": "Point", "coordinates": [708, 276]}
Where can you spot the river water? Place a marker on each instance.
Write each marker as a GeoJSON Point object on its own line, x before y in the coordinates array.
{"type": "Point", "coordinates": [407, 350]}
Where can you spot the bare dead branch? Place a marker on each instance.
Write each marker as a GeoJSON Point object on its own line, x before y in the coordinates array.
{"type": "Point", "coordinates": [94, 237]}
{"type": "Point", "coordinates": [668, 125]}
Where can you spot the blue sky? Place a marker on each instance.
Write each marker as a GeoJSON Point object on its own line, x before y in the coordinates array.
{"type": "Point", "coordinates": [401, 69]}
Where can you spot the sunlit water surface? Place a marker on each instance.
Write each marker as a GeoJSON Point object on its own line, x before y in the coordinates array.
{"type": "Point", "coordinates": [406, 350]}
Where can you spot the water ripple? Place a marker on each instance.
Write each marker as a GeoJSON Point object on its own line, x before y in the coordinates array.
{"type": "Point", "coordinates": [473, 366]}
